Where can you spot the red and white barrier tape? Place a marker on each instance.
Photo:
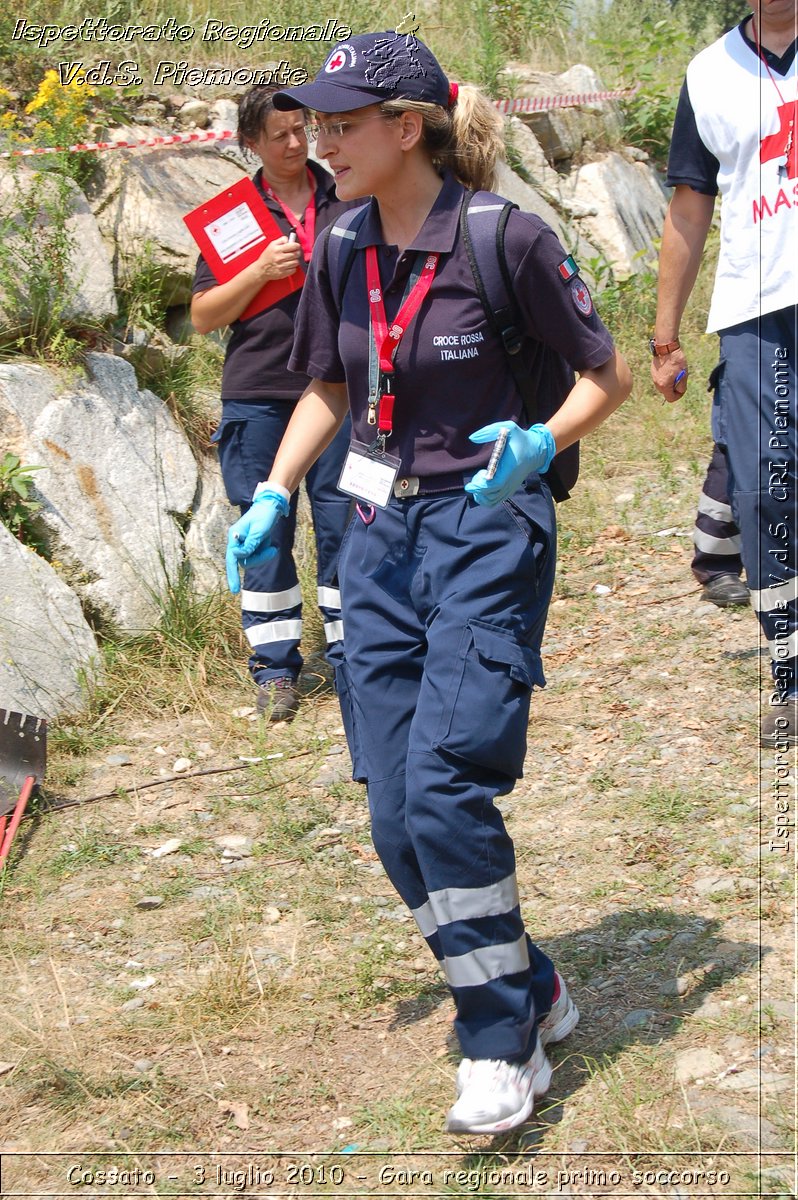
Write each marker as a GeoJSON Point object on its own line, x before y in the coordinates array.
{"type": "Point", "coordinates": [528, 104]}
{"type": "Point", "coordinates": [544, 103]}
{"type": "Point", "coordinates": [175, 139]}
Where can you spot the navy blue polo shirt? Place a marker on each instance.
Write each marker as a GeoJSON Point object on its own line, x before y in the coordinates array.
{"type": "Point", "coordinates": [451, 373]}
{"type": "Point", "coordinates": [256, 360]}
{"type": "Point", "coordinates": [689, 161]}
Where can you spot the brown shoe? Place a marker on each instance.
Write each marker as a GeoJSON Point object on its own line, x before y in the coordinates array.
{"type": "Point", "coordinates": [278, 699]}
{"type": "Point", "coordinates": [779, 728]}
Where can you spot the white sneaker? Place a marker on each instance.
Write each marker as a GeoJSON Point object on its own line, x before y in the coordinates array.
{"type": "Point", "coordinates": [494, 1095]}
{"type": "Point", "coordinates": [563, 1018]}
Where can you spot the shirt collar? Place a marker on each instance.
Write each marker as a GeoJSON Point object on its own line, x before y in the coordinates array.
{"type": "Point", "coordinates": [323, 179]}
{"type": "Point", "coordinates": [779, 62]}
{"type": "Point", "coordinates": [438, 233]}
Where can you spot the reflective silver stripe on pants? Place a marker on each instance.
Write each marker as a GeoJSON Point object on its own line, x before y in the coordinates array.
{"type": "Point", "coordinates": [271, 601]}
{"type": "Point", "coordinates": [491, 962]}
{"type": "Point", "coordinates": [274, 631]}
{"type": "Point", "coordinates": [469, 904]}
{"type": "Point", "coordinates": [329, 597]}
{"type": "Point", "coordinates": [333, 631]}
{"type": "Point", "coordinates": [782, 649]}
{"type": "Point", "coordinates": [425, 920]}
{"type": "Point", "coordinates": [766, 599]}
{"type": "Point", "coordinates": [715, 509]}
{"type": "Point", "coordinates": [713, 545]}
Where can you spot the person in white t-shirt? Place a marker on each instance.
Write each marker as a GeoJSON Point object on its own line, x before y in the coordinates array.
{"type": "Point", "coordinates": [736, 134]}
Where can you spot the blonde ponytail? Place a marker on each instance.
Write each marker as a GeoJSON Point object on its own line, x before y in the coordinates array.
{"type": "Point", "coordinates": [466, 139]}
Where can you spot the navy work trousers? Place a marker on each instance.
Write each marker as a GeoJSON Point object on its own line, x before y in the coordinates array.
{"type": "Point", "coordinates": [715, 535]}
{"type": "Point", "coordinates": [445, 604]}
{"type": "Point", "coordinates": [271, 600]}
{"type": "Point", "coordinates": [754, 420]}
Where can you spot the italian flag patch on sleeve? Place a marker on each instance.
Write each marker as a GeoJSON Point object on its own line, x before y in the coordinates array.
{"type": "Point", "coordinates": [568, 268]}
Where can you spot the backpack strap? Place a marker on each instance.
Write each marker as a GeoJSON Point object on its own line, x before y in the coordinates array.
{"type": "Point", "coordinates": [483, 220]}
{"type": "Point", "coordinates": [340, 248]}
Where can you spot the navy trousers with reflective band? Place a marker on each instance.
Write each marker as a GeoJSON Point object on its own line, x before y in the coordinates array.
{"type": "Point", "coordinates": [715, 535]}
{"type": "Point", "coordinates": [754, 418]}
{"type": "Point", "coordinates": [445, 604]}
{"type": "Point", "coordinates": [271, 601]}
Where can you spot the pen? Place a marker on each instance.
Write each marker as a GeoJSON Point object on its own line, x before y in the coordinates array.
{"type": "Point", "coordinates": [682, 375]}
{"type": "Point", "coordinates": [496, 453]}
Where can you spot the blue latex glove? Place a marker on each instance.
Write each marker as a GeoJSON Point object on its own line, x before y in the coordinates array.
{"type": "Point", "coordinates": [527, 450]}
{"type": "Point", "coordinates": [248, 540]}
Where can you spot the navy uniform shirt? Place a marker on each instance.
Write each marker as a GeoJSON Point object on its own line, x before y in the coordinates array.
{"type": "Point", "coordinates": [256, 361]}
{"type": "Point", "coordinates": [451, 372]}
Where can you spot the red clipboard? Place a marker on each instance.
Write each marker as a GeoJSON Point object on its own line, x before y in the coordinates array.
{"type": "Point", "coordinates": [232, 230]}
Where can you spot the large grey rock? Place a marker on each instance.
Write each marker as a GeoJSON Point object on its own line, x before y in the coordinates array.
{"type": "Point", "coordinates": [530, 200]}
{"type": "Point", "coordinates": [563, 132]}
{"type": "Point", "coordinates": [118, 470]}
{"type": "Point", "coordinates": [46, 647]}
{"type": "Point", "coordinates": [140, 198]}
{"type": "Point", "coordinates": [87, 292]}
{"type": "Point", "coordinates": [627, 205]}
{"type": "Point", "coordinates": [206, 540]}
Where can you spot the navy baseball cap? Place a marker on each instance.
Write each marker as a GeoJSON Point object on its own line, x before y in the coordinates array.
{"type": "Point", "coordinates": [368, 69]}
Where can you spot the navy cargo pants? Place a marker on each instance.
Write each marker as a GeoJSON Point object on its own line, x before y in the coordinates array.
{"type": "Point", "coordinates": [715, 536]}
{"type": "Point", "coordinates": [445, 604]}
{"type": "Point", "coordinates": [754, 419]}
{"type": "Point", "coordinates": [271, 600]}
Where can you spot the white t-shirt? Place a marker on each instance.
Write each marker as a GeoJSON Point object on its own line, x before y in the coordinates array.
{"type": "Point", "coordinates": [748, 119]}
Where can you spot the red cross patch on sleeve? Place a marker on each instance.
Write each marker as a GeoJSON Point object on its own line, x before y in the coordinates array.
{"type": "Point", "coordinates": [581, 297]}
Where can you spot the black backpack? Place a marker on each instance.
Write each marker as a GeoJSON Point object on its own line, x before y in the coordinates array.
{"type": "Point", "coordinates": [483, 218]}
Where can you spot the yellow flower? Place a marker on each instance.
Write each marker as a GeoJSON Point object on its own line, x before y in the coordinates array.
{"type": "Point", "coordinates": [64, 100]}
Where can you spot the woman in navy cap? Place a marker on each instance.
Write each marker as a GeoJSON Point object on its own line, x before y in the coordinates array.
{"type": "Point", "coordinates": [447, 568]}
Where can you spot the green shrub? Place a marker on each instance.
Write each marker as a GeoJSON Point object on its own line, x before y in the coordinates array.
{"type": "Point", "coordinates": [17, 506]}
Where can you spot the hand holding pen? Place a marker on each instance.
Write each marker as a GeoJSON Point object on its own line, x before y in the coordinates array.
{"type": "Point", "coordinates": [669, 373]}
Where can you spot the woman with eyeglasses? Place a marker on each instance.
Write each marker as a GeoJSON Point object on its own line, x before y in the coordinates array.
{"type": "Point", "coordinates": [259, 394]}
{"type": "Point", "coordinates": [447, 567]}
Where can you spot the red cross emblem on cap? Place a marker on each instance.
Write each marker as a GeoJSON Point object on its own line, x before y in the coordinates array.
{"type": "Point", "coordinates": [337, 61]}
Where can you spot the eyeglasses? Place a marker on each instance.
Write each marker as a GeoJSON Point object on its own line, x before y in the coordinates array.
{"type": "Point", "coordinates": [338, 129]}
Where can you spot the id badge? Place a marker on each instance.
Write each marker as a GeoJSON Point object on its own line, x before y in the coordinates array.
{"type": "Point", "coordinates": [369, 475]}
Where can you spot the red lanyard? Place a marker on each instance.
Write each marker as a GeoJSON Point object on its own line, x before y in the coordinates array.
{"type": "Point", "coordinates": [387, 340]}
{"type": "Point", "coordinates": [764, 59]}
{"type": "Point", "coordinates": [306, 234]}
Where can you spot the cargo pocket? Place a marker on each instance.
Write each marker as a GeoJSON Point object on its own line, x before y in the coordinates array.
{"type": "Point", "coordinates": [486, 712]}
{"type": "Point", "coordinates": [228, 440]}
{"type": "Point", "coordinates": [350, 718]}
{"type": "Point", "coordinates": [714, 385]}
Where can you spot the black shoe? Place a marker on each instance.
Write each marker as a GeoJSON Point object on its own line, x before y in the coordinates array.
{"type": "Point", "coordinates": [779, 728]}
{"type": "Point", "coordinates": [278, 699]}
{"type": "Point", "coordinates": [725, 591]}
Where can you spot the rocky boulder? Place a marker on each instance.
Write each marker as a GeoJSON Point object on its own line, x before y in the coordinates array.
{"type": "Point", "coordinates": [621, 206]}
{"type": "Point", "coordinates": [563, 133]}
{"type": "Point", "coordinates": [206, 540]}
{"type": "Point", "coordinates": [86, 294]}
{"type": "Point", "coordinates": [47, 650]}
{"type": "Point", "coordinates": [118, 472]}
{"type": "Point", "coordinates": [140, 197]}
